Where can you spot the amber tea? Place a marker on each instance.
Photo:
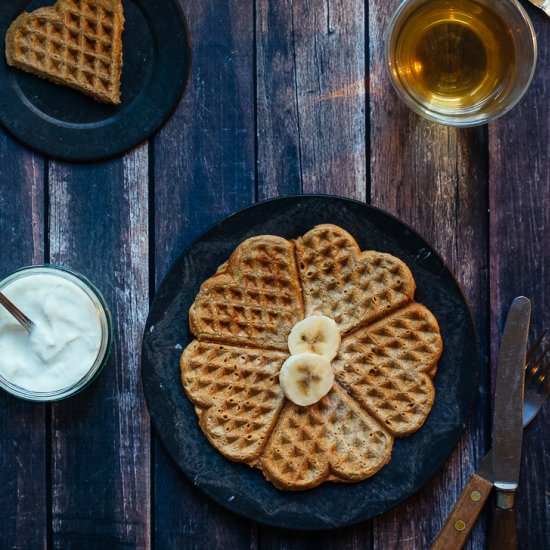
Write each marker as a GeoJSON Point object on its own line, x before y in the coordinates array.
{"type": "Point", "coordinates": [456, 57]}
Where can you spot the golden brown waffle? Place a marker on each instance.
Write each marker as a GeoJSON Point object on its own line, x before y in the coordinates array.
{"type": "Point", "coordinates": [242, 317]}
{"type": "Point", "coordinates": [333, 439]}
{"type": "Point", "coordinates": [410, 336]}
{"type": "Point", "coordinates": [75, 43]}
{"type": "Point", "coordinates": [339, 281]}
{"type": "Point", "coordinates": [383, 368]}
{"type": "Point", "coordinates": [237, 395]}
{"type": "Point", "coordinates": [254, 299]}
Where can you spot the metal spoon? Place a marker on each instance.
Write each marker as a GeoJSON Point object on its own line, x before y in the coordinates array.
{"type": "Point", "coordinates": [23, 320]}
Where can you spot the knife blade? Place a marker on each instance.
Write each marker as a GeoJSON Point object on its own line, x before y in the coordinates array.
{"type": "Point", "coordinates": [508, 410]}
{"type": "Point", "coordinates": [460, 522]}
{"type": "Point", "coordinates": [508, 424]}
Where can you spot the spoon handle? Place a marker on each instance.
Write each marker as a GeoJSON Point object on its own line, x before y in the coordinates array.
{"type": "Point", "coordinates": [23, 320]}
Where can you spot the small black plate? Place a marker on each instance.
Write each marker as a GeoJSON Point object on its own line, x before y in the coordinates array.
{"type": "Point", "coordinates": [244, 490]}
{"type": "Point", "coordinates": [62, 123]}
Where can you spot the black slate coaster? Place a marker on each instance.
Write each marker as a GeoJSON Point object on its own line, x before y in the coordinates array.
{"type": "Point", "coordinates": [65, 124]}
{"type": "Point", "coordinates": [244, 490]}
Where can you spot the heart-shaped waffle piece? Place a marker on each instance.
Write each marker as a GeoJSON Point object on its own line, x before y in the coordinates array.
{"type": "Point", "coordinates": [350, 286]}
{"type": "Point", "coordinates": [334, 439]}
{"type": "Point", "coordinates": [75, 43]}
{"type": "Point", "coordinates": [254, 299]}
{"type": "Point", "coordinates": [383, 367]}
{"type": "Point", "coordinates": [236, 393]}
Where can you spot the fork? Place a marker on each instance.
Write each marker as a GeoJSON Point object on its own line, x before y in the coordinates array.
{"type": "Point", "coordinates": [544, 5]}
{"type": "Point", "coordinates": [537, 379]}
{"type": "Point", "coordinates": [537, 389]}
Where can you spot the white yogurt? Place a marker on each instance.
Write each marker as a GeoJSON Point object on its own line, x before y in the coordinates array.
{"type": "Point", "coordinates": [66, 340]}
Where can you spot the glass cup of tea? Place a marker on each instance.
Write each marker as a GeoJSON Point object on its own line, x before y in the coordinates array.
{"type": "Point", "coordinates": [461, 62]}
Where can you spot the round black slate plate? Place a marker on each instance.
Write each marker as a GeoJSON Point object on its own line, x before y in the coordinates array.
{"type": "Point", "coordinates": [244, 490]}
{"type": "Point", "coordinates": [62, 123]}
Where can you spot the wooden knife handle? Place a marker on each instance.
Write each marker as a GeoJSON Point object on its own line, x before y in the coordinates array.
{"type": "Point", "coordinates": [459, 524]}
{"type": "Point", "coordinates": [504, 535]}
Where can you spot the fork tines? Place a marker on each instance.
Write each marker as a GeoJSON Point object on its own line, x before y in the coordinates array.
{"type": "Point", "coordinates": [538, 364]}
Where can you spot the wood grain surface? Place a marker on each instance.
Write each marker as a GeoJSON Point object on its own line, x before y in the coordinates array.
{"type": "Point", "coordinates": [100, 441]}
{"type": "Point", "coordinates": [311, 103]}
{"type": "Point", "coordinates": [24, 497]}
{"type": "Point", "coordinates": [519, 192]}
{"type": "Point", "coordinates": [284, 97]}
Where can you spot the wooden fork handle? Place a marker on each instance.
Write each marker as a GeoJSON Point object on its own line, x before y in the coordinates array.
{"type": "Point", "coordinates": [460, 523]}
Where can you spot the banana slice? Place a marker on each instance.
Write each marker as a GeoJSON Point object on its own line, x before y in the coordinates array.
{"type": "Point", "coordinates": [306, 378]}
{"type": "Point", "coordinates": [317, 334]}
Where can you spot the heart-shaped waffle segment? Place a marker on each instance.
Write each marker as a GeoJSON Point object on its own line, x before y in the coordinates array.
{"type": "Point", "coordinates": [383, 367]}
{"type": "Point", "coordinates": [350, 286]}
{"type": "Point", "coordinates": [236, 393]}
{"type": "Point", "coordinates": [75, 43]}
{"type": "Point", "coordinates": [254, 299]}
{"type": "Point", "coordinates": [333, 439]}
{"type": "Point", "coordinates": [410, 336]}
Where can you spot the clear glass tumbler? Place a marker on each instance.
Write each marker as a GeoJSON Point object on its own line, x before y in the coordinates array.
{"type": "Point", "coordinates": [461, 62]}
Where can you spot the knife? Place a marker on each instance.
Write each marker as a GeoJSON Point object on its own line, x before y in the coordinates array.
{"type": "Point", "coordinates": [508, 425]}
{"type": "Point", "coordinates": [501, 465]}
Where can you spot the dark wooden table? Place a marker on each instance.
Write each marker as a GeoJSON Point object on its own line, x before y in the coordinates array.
{"type": "Point", "coordinates": [285, 97]}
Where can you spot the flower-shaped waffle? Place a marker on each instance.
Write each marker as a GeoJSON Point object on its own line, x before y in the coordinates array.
{"type": "Point", "coordinates": [242, 318]}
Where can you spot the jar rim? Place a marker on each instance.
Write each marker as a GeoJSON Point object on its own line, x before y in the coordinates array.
{"type": "Point", "coordinates": [105, 319]}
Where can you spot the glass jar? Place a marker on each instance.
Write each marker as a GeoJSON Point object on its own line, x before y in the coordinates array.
{"type": "Point", "coordinates": [105, 320]}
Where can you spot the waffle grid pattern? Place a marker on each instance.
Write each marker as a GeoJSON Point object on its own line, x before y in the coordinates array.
{"type": "Point", "coordinates": [73, 45]}
{"type": "Point", "coordinates": [383, 368]}
{"type": "Point", "coordinates": [409, 336]}
{"type": "Point", "coordinates": [351, 287]}
{"type": "Point", "coordinates": [334, 435]}
{"type": "Point", "coordinates": [238, 392]}
{"type": "Point", "coordinates": [255, 300]}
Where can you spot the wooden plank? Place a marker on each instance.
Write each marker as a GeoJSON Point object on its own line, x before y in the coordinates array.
{"type": "Point", "coordinates": [311, 97]}
{"type": "Point", "coordinates": [204, 170]}
{"type": "Point", "coordinates": [520, 258]}
{"type": "Point", "coordinates": [311, 136]}
{"type": "Point", "coordinates": [23, 498]}
{"type": "Point", "coordinates": [434, 178]}
{"type": "Point", "coordinates": [101, 439]}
